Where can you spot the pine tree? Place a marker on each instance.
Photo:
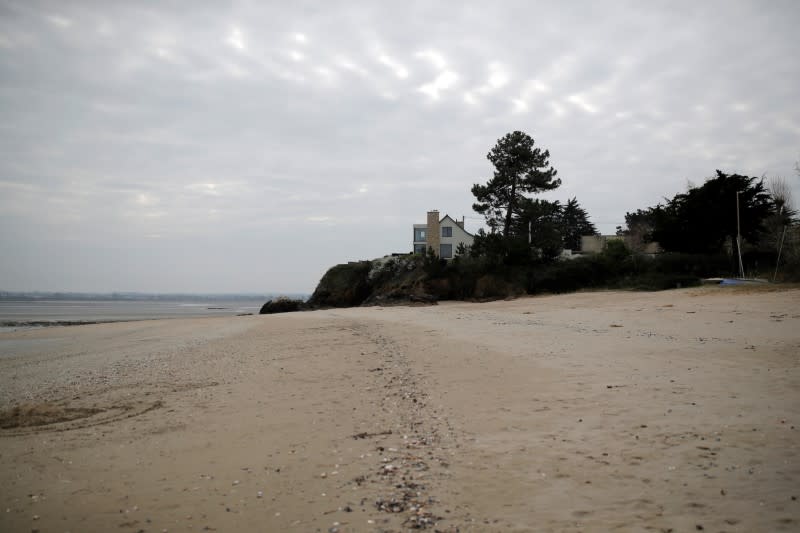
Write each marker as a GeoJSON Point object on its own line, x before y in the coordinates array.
{"type": "Point", "coordinates": [575, 223]}
{"type": "Point", "coordinates": [519, 169]}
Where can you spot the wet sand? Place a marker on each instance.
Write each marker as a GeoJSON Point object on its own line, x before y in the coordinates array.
{"type": "Point", "coordinates": [600, 411]}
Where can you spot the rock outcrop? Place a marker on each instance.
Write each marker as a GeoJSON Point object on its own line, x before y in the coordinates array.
{"type": "Point", "coordinates": [344, 285]}
{"type": "Point", "coordinates": [385, 281]}
{"type": "Point", "coordinates": [401, 279]}
{"type": "Point", "coordinates": [282, 305]}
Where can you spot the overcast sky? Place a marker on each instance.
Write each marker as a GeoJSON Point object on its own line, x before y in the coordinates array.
{"type": "Point", "coordinates": [197, 147]}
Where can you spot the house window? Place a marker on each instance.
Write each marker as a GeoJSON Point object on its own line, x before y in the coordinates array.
{"type": "Point", "coordinates": [447, 231]}
{"type": "Point", "coordinates": [446, 251]}
{"type": "Point", "coordinates": [419, 235]}
{"type": "Point", "coordinates": [419, 249]}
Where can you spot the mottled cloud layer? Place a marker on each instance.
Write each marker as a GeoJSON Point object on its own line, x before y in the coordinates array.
{"type": "Point", "coordinates": [191, 146]}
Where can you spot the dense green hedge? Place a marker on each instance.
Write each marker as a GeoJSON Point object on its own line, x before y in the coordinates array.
{"type": "Point", "coordinates": [427, 278]}
{"type": "Point", "coordinates": [615, 268]}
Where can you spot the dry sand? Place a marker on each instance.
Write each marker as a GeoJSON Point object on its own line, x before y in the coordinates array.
{"type": "Point", "coordinates": [670, 411]}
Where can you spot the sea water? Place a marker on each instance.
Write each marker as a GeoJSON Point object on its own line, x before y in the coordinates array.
{"type": "Point", "coordinates": [30, 313]}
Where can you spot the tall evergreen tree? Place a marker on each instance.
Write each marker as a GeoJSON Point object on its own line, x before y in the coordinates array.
{"type": "Point", "coordinates": [539, 222]}
{"type": "Point", "coordinates": [520, 169]}
{"type": "Point", "coordinates": [575, 223]}
{"type": "Point", "coordinates": [703, 218]}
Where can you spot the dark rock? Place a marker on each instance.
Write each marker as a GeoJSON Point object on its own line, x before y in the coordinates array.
{"type": "Point", "coordinates": [343, 286]}
{"type": "Point", "coordinates": [282, 305]}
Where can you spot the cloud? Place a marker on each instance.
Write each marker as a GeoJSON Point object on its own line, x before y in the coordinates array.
{"type": "Point", "coordinates": [246, 125]}
{"type": "Point", "coordinates": [442, 82]}
{"type": "Point", "coordinates": [434, 57]}
{"type": "Point", "coordinates": [399, 70]}
{"type": "Point", "coordinates": [580, 101]}
{"type": "Point", "coordinates": [236, 39]}
{"type": "Point", "coordinates": [59, 21]}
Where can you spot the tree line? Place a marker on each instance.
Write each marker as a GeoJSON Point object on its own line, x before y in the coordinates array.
{"type": "Point", "coordinates": [524, 228]}
{"type": "Point", "coordinates": [711, 224]}
{"type": "Point", "coordinates": [521, 253]}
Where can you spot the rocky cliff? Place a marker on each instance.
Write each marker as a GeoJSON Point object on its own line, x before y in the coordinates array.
{"type": "Point", "coordinates": [378, 282]}
{"type": "Point", "coordinates": [400, 280]}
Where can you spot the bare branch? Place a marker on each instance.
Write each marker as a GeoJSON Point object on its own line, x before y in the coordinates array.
{"type": "Point", "coordinates": [781, 192]}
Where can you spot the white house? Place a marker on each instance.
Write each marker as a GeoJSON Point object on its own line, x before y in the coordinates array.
{"type": "Point", "coordinates": [443, 236]}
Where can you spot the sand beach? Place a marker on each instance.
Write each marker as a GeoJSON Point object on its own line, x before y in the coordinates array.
{"type": "Point", "coordinates": [599, 411]}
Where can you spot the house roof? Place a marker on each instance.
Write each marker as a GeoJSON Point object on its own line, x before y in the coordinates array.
{"type": "Point", "coordinates": [456, 223]}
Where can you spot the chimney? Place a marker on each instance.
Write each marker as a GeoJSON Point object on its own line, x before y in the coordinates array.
{"type": "Point", "coordinates": [433, 233]}
{"type": "Point", "coordinates": [460, 224]}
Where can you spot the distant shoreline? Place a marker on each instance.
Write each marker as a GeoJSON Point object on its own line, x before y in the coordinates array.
{"type": "Point", "coordinates": [30, 324]}
{"type": "Point", "coordinates": [16, 325]}
{"type": "Point", "coordinates": [34, 296]}
{"type": "Point", "coordinates": [33, 313]}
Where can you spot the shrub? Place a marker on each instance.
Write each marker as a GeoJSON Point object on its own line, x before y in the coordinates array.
{"type": "Point", "coordinates": [570, 275]}
{"type": "Point", "coordinates": [658, 281]}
